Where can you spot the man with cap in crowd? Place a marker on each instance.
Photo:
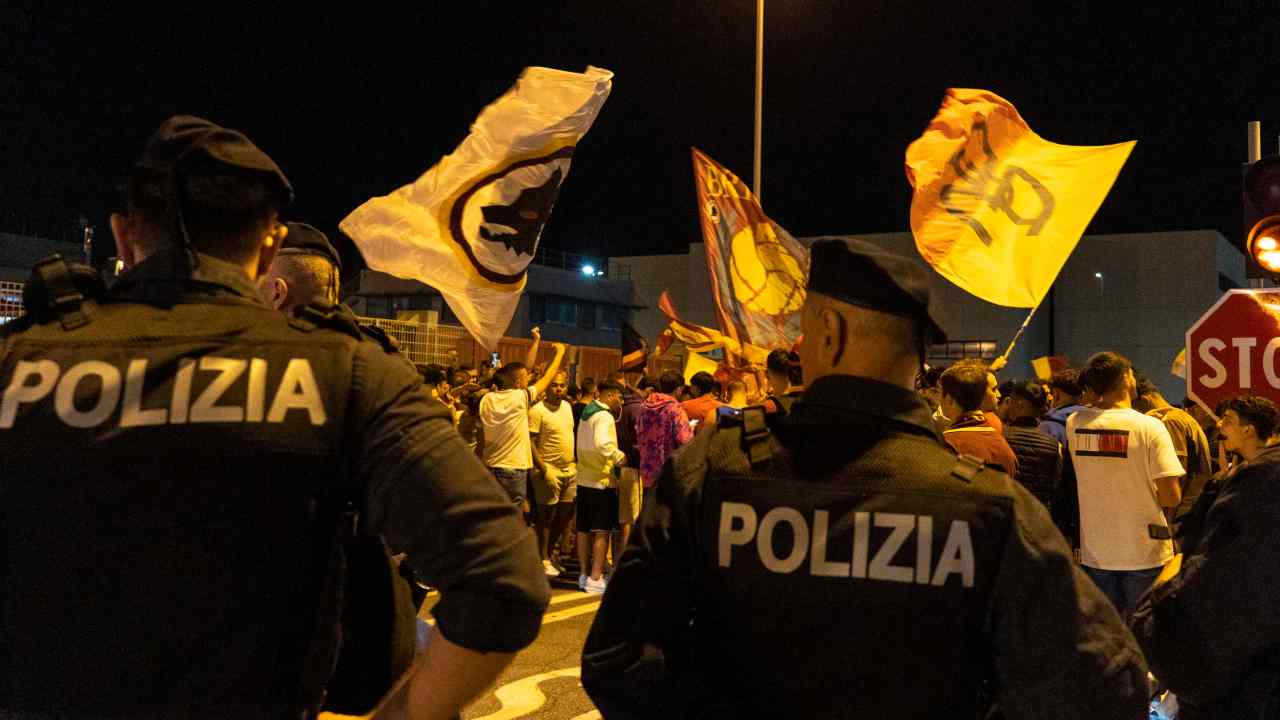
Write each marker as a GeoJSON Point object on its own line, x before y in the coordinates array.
{"type": "Point", "coordinates": [849, 565]}
{"type": "Point", "coordinates": [184, 467]}
{"type": "Point", "coordinates": [1039, 456]}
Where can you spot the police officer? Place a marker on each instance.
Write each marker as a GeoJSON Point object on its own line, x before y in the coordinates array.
{"type": "Point", "coordinates": [1208, 624]}
{"type": "Point", "coordinates": [307, 270]}
{"type": "Point", "coordinates": [850, 565]}
{"type": "Point", "coordinates": [177, 459]}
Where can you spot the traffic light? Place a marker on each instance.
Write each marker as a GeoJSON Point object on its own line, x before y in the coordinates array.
{"type": "Point", "coordinates": [1262, 217]}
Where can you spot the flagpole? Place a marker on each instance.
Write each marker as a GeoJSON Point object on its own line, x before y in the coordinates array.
{"type": "Point", "coordinates": [755, 180]}
{"type": "Point", "coordinates": [1017, 336]}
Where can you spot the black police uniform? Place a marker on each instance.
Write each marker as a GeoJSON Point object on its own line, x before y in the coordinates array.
{"type": "Point", "coordinates": [1210, 633]}
{"type": "Point", "coordinates": [177, 458]}
{"type": "Point", "coordinates": [849, 565]}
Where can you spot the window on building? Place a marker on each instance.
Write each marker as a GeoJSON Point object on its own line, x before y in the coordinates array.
{"type": "Point", "coordinates": [561, 311]}
{"type": "Point", "coordinates": [949, 352]}
{"type": "Point", "coordinates": [586, 315]}
{"type": "Point", "coordinates": [537, 309]}
{"type": "Point", "coordinates": [612, 317]}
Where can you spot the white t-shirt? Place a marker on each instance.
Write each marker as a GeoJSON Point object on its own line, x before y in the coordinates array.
{"type": "Point", "coordinates": [555, 436]}
{"type": "Point", "coordinates": [504, 419]}
{"type": "Point", "coordinates": [1118, 454]}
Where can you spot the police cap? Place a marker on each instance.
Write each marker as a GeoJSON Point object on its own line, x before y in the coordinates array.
{"type": "Point", "coordinates": [303, 239]}
{"type": "Point", "coordinates": [862, 274]}
{"type": "Point", "coordinates": [184, 139]}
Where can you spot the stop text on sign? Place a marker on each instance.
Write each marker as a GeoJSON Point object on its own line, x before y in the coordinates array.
{"type": "Point", "coordinates": [1214, 353]}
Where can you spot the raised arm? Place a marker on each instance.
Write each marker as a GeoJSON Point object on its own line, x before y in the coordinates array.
{"type": "Point", "coordinates": [531, 357]}
{"type": "Point", "coordinates": [545, 381]}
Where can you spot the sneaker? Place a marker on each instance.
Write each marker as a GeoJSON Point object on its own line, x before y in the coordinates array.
{"type": "Point", "coordinates": [550, 569]}
{"type": "Point", "coordinates": [595, 587]}
{"type": "Point", "coordinates": [582, 582]}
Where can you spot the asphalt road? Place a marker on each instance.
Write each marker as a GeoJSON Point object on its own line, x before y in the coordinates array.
{"type": "Point", "coordinates": [542, 682]}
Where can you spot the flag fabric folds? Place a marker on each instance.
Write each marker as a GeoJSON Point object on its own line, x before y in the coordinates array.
{"type": "Point", "coordinates": [635, 351]}
{"type": "Point", "coordinates": [997, 209]}
{"type": "Point", "coordinates": [758, 271]}
{"type": "Point", "coordinates": [699, 339]}
{"type": "Point", "coordinates": [1045, 367]}
{"type": "Point", "coordinates": [470, 225]}
{"type": "Point", "coordinates": [1178, 368]}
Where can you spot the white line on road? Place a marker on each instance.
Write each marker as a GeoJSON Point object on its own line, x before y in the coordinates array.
{"type": "Point", "coordinates": [572, 612]}
{"type": "Point", "coordinates": [523, 696]}
{"type": "Point", "coordinates": [566, 614]}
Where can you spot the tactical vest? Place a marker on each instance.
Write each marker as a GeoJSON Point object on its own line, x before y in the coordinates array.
{"type": "Point", "coordinates": [1039, 462]}
{"type": "Point", "coordinates": [169, 506]}
{"type": "Point", "coordinates": [861, 593]}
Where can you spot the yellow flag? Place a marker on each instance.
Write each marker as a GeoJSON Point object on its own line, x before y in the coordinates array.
{"type": "Point", "coordinates": [997, 209]}
{"type": "Point", "coordinates": [695, 364]}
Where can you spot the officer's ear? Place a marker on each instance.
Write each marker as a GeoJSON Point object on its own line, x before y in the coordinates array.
{"type": "Point", "coordinates": [834, 336]}
{"type": "Point", "coordinates": [278, 292]}
{"type": "Point", "coordinates": [123, 229]}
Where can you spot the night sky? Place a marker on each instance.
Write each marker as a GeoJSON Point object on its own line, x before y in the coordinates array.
{"type": "Point", "coordinates": [356, 101]}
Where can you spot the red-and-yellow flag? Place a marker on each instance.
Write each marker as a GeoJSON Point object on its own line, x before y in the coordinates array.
{"type": "Point", "coordinates": [758, 271]}
{"type": "Point", "coordinates": [997, 209]}
{"type": "Point", "coordinates": [700, 339]}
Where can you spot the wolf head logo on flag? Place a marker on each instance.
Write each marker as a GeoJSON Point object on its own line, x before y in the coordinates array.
{"type": "Point", "coordinates": [497, 220]}
{"type": "Point", "coordinates": [469, 227]}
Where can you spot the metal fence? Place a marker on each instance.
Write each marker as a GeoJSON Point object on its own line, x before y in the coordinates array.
{"type": "Point", "coordinates": [446, 345]}
{"type": "Point", "coordinates": [10, 301]}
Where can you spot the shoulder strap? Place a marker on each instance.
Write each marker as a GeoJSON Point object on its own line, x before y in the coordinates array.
{"type": "Point", "coordinates": [61, 297]}
{"type": "Point", "coordinates": [755, 436]}
{"type": "Point", "coordinates": [967, 468]}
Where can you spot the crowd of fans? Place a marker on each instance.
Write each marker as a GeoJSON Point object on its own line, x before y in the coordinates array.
{"type": "Point", "coordinates": [1090, 444]}
{"type": "Point", "coordinates": [581, 459]}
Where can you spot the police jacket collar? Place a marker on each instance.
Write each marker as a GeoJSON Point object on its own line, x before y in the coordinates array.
{"type": "Point", "coordinates": [844, 397]}
{"type": "Point", "coordinates": [209, 276]}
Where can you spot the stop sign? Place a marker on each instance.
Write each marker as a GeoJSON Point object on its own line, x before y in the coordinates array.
{"type": "Point", "coordinates": [1232, 349]}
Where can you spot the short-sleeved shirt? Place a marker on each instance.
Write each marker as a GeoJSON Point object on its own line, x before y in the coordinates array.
{"type": "Point", "coordinates": [1118, 455]}
{"type": "Point", "coordinates": [555, 436]}
{"type": "Point", "coordinates": [1192, 446]}
{"type": "Point", "coordinates": [504, 415]}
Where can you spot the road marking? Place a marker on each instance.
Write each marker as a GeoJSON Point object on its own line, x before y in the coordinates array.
{"type": "Point", "coordinates": [571, 596]}
{"type": "Point", "coordinates": [522, 697]}
{"type": "Point", "coordinates": [572, 612]}
{"type": "Point", "coordinates": [592, 604]}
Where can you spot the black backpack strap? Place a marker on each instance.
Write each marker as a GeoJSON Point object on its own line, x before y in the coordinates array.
{"type": "Point", "coordinates": [61, 296]}
{"type": "Point", "coordinates": [967, 468]}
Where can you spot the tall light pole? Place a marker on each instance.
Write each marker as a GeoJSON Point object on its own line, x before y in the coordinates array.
{"type": "Point", "coordinates": [755, 180]}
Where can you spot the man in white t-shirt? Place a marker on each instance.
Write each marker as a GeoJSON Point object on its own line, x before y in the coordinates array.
{"type": "Point", "coordinates": [1128, 477]}
{"type": "Point", "coordinates": [504, 420]}
{"type": "Point", "coordinates": [555, 474]}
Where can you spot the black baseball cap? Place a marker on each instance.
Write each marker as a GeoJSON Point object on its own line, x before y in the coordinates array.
{"type": "Point", "coordinates": [185, 140]}
{"type": "Point", "coordinates": [303, 239]}
{"type": "Point", "coordinates": [862, 274]}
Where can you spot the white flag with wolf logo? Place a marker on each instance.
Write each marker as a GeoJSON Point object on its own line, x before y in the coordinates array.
{"type": "Point", "coordinates": [470, 225]}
